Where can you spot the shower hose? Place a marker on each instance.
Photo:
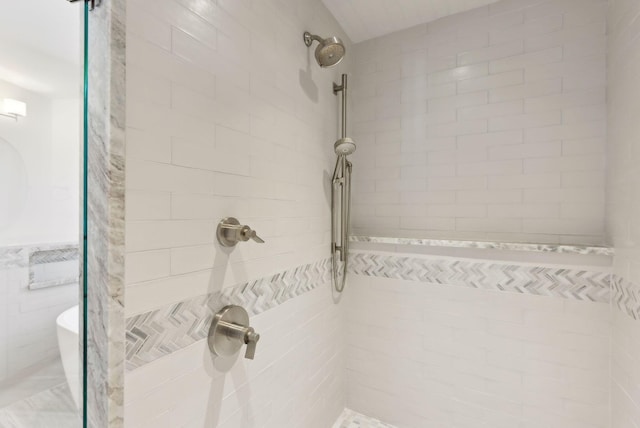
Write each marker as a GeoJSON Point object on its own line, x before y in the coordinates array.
{"type": "Point", "coordinates": [340, 219]}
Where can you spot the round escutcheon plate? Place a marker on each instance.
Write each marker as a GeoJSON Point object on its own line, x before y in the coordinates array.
{"type": "Point", "coordinates": [221, 342]}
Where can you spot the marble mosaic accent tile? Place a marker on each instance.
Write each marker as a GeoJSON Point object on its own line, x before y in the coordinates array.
{"type": "Point", "coordinates": [43, 254]}
{"type": "Point", "coordinates": [53, 266]}
{"type": "Point", "coordinates": [157, 333]}
{"type": "Point", "coordinates": [526, 279]}
{"type": "Point", "coordinates": [351, 419]}
{"type": "Point", "coordinates": [626, 296]}
{"type": "Point", "coordinates": [13, 257]}
{"type": "Point", "coordinates": [544, 248]}
{"type": "Point", "coordinates": [49, 265]}
{"type": "Point", "coordinates": [24, 255]}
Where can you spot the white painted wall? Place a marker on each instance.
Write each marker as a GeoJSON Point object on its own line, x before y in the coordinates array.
{"type": "Point", "coordinates": [229, 115]}
{"type": "Point", "coordinates": [39, 169]}
{"type": "Point", "coordinates": [623, 206]}
{"type": "Point", "coordinates": [489, 124]}
{"type": "Point", "coordinates": [40, 43]}
{"type": "Point", "coordinates": [43, 191]}
{"type": "Point", "coordinates": [39, 204]}
{"type": "Point", "coordinates": [433, 355]}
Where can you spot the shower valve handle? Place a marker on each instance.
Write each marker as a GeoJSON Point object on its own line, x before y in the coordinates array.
{"type": "Point", "coordinates": [248, 233]}
{"type": "Point", "coordinates": [230, 330]}
{"type": "Point", "coordinates": [230, 232]}
{"type": "Point", "coordinates": [251, 340]}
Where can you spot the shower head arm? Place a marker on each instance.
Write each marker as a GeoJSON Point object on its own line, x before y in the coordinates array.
{"type": "Point", "coordinates": [309, 38]}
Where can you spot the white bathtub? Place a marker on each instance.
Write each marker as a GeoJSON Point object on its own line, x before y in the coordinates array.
{"type": "Point", "coordinates": [68, 326]}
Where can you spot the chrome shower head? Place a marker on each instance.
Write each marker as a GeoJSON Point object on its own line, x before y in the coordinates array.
{"type": "Point", "coordinates": [329, 52]}
{"type": "Point", "coordinates": [344, 146]}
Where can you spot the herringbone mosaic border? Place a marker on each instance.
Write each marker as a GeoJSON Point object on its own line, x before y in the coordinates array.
{"type": "Point", "coordinates": [24, 256]}
{"type": "Point", "coordinates": [155, 334]}
{"type": "Point", "coordinates": [538, 280]}
{"type": "Point", "coordinates": [626, 296]}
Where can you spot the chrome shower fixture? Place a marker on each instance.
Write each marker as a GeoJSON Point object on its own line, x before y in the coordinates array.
{"type": "Point", "coordinates": [341, 197]}
{"type": "Point", "coordinates": [344, 146]}
{"type": "Point", "coordinates": [329, 52]}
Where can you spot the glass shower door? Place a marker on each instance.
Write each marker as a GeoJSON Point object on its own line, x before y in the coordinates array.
{"type": "Point", "coordinates": [42, 119]}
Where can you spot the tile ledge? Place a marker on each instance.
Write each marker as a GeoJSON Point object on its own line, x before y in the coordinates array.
{"type": "Point", "coordinates": [488, 245]}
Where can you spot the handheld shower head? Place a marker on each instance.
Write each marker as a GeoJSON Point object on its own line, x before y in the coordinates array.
{"type": "Point", "coordinates": [344, 146]}
{"type": "Point", "coordinates": [329, 52]}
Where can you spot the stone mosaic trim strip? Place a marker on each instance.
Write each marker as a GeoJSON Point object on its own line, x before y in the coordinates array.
{"type": "Point", "coordinates": [626, 296]}
{"type": "Point", "coordinates": [56, 254]}
{"type": "Point", "coordinates": [52, 267]}
{"type": "Point", "coordinates": [542, 248]}
{"type": "Point", "coordinates": [24, 255]}
{"type": "Point", "coordinates": [14, 257]}
{"type": "Point", "coordinates": [47, 265]}
{"type": "Point", "coordinates": [351, 419]}
{"type": "Point", "coordinates": [561, 282]}
{"type": "Point", "coordinates": [161, 332]}
{"type": "Point", "coordinates": [157, 333]}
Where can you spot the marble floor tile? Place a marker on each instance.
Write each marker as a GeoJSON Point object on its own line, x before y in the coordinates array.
{"type": "Point", "coordinates": [52, 408]}
{"type": "Point", "coordinates": [32, 381]}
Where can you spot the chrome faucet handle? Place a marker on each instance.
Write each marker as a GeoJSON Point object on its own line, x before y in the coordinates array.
{"type": "Point", "coordinates": [249, 233]}
{"type": "Point", "coordinates": [230, 232]}
{"type": "Point", "coordinates": [230, 330]}
{"type": "Point", "coordinates": [251, 340]}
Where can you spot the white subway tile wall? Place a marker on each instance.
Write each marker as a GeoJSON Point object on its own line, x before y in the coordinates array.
{"type": "Point", "coordinates": [431, 355]}
{"type": "Point", "coordinates": [229, 115]}
{"type": "Point", "coordinates": [623, 204]}
{"type": "Point", "coordinates": [625, 371]}
{"type": "Point", "coordinates": [488, 124]}
{"type": "Point", "coordinates": [28, 317]}
{"type": "Point", "coordinates": [624, 168]}
{"type": "Point", "coordinates": [296, 379]}
{"type": "Point", "coordinates": [367, 19]}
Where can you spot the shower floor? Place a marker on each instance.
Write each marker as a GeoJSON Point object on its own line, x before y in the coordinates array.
{"type": "Point", "coordinates": [351, 419]}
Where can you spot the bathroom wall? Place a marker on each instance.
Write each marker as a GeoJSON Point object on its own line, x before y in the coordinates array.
{"type": "Point", "coordinates": [40, 176]}
{"type": "Point", "coordinates": [478, 339]}
{"type": "Point", "coordinates": [296, 379]}
{"type": "Point", "coordinates": [229, 115]}
{"type": "Point", "coordinates": [35, 287]}
{"type": "Point", "coordinates": [39, 189]}
{"type": "Point", "coordinates": [623, 208]}
{"type": "Point", "coordinates": [488, 124]}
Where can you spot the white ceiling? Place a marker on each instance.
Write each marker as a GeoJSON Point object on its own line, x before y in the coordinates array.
{"type": "Point", "coordinates": [40, 45]}
{"type": "Point", "coordinates": [367, 19]}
